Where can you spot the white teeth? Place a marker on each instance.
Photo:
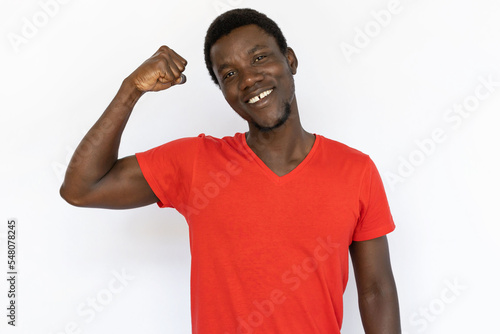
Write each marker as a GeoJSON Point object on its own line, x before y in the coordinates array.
{"type": "Point", "coordinates": [260, 96]}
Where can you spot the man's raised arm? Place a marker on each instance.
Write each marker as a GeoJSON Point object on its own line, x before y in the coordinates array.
{"type": "Point", "coordinates": [95, 176]}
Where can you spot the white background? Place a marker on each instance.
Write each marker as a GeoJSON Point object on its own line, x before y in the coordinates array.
{"type": "Point", "coordinates": [394, 92]}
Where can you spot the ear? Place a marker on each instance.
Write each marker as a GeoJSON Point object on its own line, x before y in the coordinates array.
{"type": "Point", "coordinates": [292, 60]}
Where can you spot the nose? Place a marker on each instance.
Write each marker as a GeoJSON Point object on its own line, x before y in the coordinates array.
{"type": "Point", "coordinates": [249, 76]}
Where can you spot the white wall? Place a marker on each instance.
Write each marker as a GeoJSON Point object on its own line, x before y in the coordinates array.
{"type": "Point", "coordinates": [397, 89]}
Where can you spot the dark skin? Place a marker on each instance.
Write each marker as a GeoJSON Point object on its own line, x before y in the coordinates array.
{"type": "Point", "coordinates": [247, 62]}
{"type": "Point", "coordinates": [95, 176]}
{"type": "Point", "coordinates": [377, 294]}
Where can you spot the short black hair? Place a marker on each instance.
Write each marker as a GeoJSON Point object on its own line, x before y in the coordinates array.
{"type": "Point", "coordinates": [230, 20]}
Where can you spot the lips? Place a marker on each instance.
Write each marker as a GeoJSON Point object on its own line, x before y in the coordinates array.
{"type": "Point", "coordinates": [259, 96]}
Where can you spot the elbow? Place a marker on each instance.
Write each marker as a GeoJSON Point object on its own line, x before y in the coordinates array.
{"type": "Point", "coordinates": [376, 295]}
{"type": "Point", "coordinates": [70, 196]}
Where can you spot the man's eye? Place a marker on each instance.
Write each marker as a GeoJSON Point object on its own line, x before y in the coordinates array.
{"type": "Point", "coordinates": [229, 74]}
{"type": "Point", "coordinates": [259, 58]}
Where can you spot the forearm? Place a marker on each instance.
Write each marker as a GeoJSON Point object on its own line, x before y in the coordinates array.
{"type": "Point", "coordinates": [379, 310]}
{"type": "Point", "coordinates": [98, 151]}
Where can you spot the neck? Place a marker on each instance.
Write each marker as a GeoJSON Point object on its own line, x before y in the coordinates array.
{"type": "Point", "coordinates": [283, 147]}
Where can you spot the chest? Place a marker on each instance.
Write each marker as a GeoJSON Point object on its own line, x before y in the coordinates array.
{"type": "Point", "coordinates": [250, 207]}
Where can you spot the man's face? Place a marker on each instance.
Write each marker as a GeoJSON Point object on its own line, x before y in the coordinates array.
{"type": "Point", "coordinates": [254, 75]}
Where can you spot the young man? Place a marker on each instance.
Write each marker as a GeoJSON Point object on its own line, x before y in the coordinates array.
{"type": "Point", "coordinates": [272, 213]}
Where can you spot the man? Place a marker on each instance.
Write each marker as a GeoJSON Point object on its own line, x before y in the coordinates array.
{"type": "Point", "coordinates": [272, 213]}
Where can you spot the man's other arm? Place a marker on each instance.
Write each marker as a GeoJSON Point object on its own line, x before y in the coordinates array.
{"type": "Point", "coordinates": [95, 176]}
{"type": "Point", "coordinates": [377, 294]}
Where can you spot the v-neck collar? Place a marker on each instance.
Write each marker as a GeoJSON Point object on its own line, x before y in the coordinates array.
{"type": "Point", "coordinates": [272, 175]}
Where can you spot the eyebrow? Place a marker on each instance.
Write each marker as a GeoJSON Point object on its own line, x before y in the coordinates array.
{"type": "Point", "coordinates": [222, 67]}
{"type": "Point", "coordinates": [249, 52]}
{"type": "Point", "coordinates": [256, 48]}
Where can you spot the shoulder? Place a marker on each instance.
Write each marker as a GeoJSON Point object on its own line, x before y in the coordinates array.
{"type": "Point", "coordinates": [341, 152]}
{"type": "Point", "coordinates": [211, 144]}
{"type": "Point", "coordinates": [211, 140]}
{"type": "Point", "coordinates": [189, 146]}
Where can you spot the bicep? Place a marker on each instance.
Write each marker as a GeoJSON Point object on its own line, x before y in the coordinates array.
{"type": "Point", "coordinates": [371, 263]}
{"type": "Point", "coordinates": [123, 187]}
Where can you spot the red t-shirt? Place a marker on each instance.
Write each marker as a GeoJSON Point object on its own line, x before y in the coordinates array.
{"type": "Point", "coordinates": [269, 253]}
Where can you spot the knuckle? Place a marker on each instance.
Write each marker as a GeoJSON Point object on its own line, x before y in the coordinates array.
{"type": "Point", "coordinates": [159, 65]}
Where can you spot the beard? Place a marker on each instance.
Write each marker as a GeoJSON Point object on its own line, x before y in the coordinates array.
{"type": "Point", "coordinates": [287, 110]}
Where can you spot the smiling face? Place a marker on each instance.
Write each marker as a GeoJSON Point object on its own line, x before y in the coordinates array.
{"type": "Point", "coordinates": [255, 77]}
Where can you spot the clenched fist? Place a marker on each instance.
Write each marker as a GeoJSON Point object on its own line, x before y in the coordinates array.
{"type": "Point", "coordinates": [161, 71]}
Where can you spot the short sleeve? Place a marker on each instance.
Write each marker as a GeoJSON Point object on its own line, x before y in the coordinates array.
{"type": "Point", "coordinates": [168, 169]}
{"type": "Point", "coordinates": [375, 219]}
